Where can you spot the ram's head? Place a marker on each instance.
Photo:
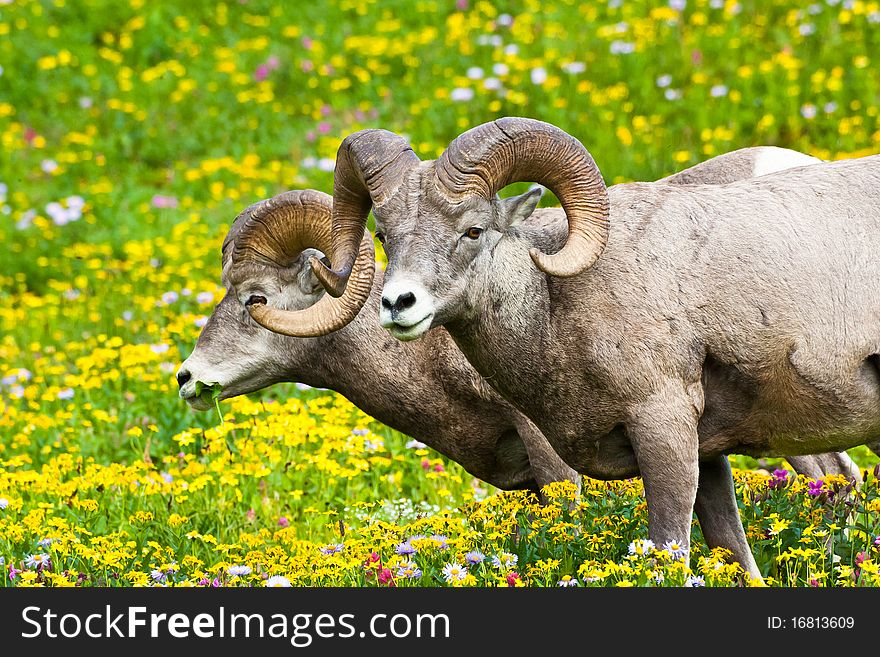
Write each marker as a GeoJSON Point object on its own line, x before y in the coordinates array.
{"type": "Point", "coordinates": [439, 220]}
{"type": "Point", "coordinates": [269, 260]}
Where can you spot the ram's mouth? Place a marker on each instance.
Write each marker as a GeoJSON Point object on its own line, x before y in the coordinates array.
{"type": "Point", "coordinates": [413, 331]}
{"type": "Point", "coordinates": [200, 402]}
{"type": "Point", "coordinates": [202, 396]}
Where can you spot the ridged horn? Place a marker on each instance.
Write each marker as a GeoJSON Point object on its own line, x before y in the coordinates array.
{"type": "Point", "coordinates": [485, 159]}
{"type": "Point", "coordinates": [275, 232]}
{"type": "Point", "coordinates": [370, 166]}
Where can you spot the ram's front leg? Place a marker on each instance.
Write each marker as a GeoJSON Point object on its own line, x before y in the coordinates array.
{"type": "Point", "coordinates": [663, 432]}
{"type": "Point", "coordinates": [719, 515]}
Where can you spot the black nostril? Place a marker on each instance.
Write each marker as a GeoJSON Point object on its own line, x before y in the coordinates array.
{"type": "Point", "coordinates": [405, 301]}
{"type": "Point", "coordinates": [182, 377]}
{"type": "Point", "coordinates": [386, 303]}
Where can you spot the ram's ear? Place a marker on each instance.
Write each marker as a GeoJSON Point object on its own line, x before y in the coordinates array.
{"type": "Point", "coordinates": [305, 276]}
{"type": "Point", "coordinates": [516, 209]}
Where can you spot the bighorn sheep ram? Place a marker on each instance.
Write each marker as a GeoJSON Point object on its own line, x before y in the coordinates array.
{"type": "Point", "coordinates": [673, 325]}
{"type": "Point", "coordinates": [426, 390]}
{"type": "Point", "coordinates": [437, 397]}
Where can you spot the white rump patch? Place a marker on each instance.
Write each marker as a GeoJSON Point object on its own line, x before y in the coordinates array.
{"type": "Point", "coordinates": [772, 158]}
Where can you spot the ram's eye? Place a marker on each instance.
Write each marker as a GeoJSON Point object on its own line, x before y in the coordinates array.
{"type": "Point", "coordinates": [255, 300]}
{"type": "Point", "coordinates": [381, 237]}
{"type": "Point", "coordinates": [473, 232]}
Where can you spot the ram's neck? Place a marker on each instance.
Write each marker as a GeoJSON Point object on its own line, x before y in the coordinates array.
{"type": "Point", "coordinates": [508, 334]}
{"type": "Point", "coordinates": [400, 384]}
{"type": "Point", "coordinates": [350, 358]}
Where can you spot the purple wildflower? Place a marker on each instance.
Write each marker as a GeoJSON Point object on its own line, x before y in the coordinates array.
{"type": "Point", "coordinates": [409, 570]}
{"type": "Point", "coordinates": [405, 549]}
{"type": "Point", "coordinates": [475, 557]}
{"type": "Point", "coordinates": [67, 393]}
{"type": "Point", "coordinates": [780, 478]}
{"type": "Point", "coordinates": [38, 561]}
{"type": "Point", "coordinates": [505, 560]}
{"type": "Point", "coordinates": [161, 201]}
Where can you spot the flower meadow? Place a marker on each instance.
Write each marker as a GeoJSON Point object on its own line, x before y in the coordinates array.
{"type": "Point", "coordinates": [132, 134]}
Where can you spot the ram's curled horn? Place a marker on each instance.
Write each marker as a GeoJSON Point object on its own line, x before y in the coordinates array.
{"type": "Point", "coordinates": [486, 158]}
{"type": "Point", "coordinates": [370, 166]}
{"type": "Point", "coordinates": [276, 231]}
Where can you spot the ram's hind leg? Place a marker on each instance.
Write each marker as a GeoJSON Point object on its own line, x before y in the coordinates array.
{"type": "Point", "coordinates": [818, 466]}
{"type": "Point", "coordinates": [719, 515]}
